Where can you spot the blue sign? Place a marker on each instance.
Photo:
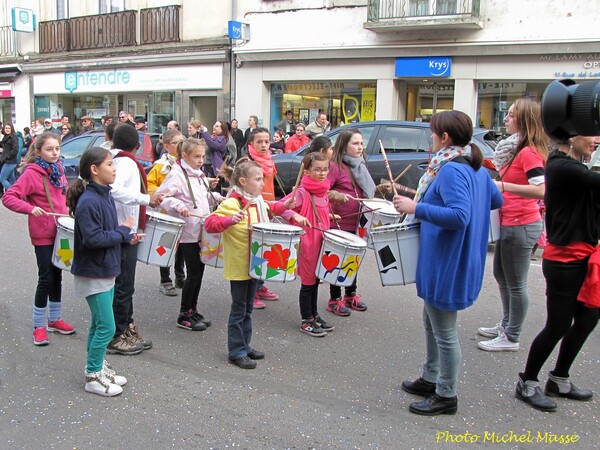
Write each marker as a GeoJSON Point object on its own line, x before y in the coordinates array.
{"type": "Point", "coordinates": [70, 81]}
{"type": "Point", "coordinates": [435, 66]}
{"type": "Point", "coordinates": [23, 20]}
{"type": "Point", "coordinates": [238, 30]}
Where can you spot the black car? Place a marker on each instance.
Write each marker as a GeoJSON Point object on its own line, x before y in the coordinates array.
{"type": "Point", "coordinates": [404, 142]}
{"type": "Point", "coordinates": [71, 151]}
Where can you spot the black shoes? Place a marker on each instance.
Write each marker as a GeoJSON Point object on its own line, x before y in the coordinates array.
{"type": "Point", "coordinates": [529, 391]}
{"type": "Point", "coordinates": [255, 354]}
{"type": "Point", "coordinates": [575, 393]}
{"type": "Point", "coordinates": [435, 405]}
{"type": "Point", "coordinates": [419, 387]}
{"type": "Point", "coordinates": [243, 363]}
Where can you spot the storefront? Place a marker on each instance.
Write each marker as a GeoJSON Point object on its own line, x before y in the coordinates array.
{"type": "Point", "coordinates": [7, 103]}
{"type": "Point", "coordinates": [159, 94]}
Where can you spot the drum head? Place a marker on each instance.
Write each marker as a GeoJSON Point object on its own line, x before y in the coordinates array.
{"type": "Point", "coordinates": [164, 218]}
{"type": "Point", "coordinates": [386, 208]}
{"type": "Point", "coordinates": [67, 223]}
{"type": "Point", "coordinates": [344, 237]}
{"type": "Point", "coordinates": [277, 228]}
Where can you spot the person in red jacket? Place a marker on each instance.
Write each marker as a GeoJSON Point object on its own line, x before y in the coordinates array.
{"type": "Point", "coordinates": [297, 140]}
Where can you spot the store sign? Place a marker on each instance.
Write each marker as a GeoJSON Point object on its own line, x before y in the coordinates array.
{"type": "Point", "coordinates": [5, 93]}
{"type": "Point", "coordinates": [23, 20]}
{"type": "Point", "coordinates": [205, 76]}
{"type": "Point", "coordinates": [574, 65]}
{"type": "Point", "coordinates": [423, 67]}
{"type": "Point", "coordinates": [238, 30]}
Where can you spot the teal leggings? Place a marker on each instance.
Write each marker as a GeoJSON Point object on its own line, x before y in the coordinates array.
{"type": "Point", "coordinates": [102, 328]}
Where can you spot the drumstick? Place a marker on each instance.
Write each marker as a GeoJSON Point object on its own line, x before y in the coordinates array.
{"type": "Point", "coordinates": [403, 172]}
{"type": "Point", "coordinates": [298, 180]}
{"type": "Point", "coordinates": [387, 166]}
{"type": "Point", "coordinates": [56, 214]}
{"type": "Point", "coordinates": [198, 215]}
{"type": "Point", "coordinates": [380, 200]}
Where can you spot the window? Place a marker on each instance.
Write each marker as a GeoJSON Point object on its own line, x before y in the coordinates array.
{"type": "Point", "coordinates": [62, 9]}
{"type": "Point", "coordinates": [403, 140]}
{"type": "Point", "coordinates": [109, 6]}
{"type": "Point", "coordinates": [418, 8]}
{"type": "Point", "coordinates": [445, 7]}
{"type": "Point", "coordinates": [75, 147]}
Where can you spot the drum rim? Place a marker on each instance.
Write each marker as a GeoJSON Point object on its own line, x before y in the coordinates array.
{"type": "Point", "coordinates": [151, 215]}
{"type": "Point", "coordinates": [70, 220]}
{"type": "Point", "coordinates": [262, 227]}
{"type": "Point", "coordinates": [357, 243]}
{"type": "Point", "coordinates": [393, 227]}
{"type": "Point", "coordinates": [378, 209]}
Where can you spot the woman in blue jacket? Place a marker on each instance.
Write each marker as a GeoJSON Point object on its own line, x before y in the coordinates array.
{"type": "Point", "coordinates": [453, 203]}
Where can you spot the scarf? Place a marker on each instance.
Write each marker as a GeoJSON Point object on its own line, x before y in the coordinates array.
{"type": "Point", "coordinates": [167, 162]}
{"type": "Point", "coordinates": [437, 162]}
{"type": "Point", "coordinates": [261, 207]}
{"type": "Point", "coordinates": [265, 161]}
{"type": "Point", "coordinates": [55, 171]}
{"type": "Point", "coordinates": [361, 174]}
{"type": "Point", "coordinates": [505, 151]}
{"type": "Point", "coordinates": [143, 185]}
{"type": "Point", "coordinates": [315, 187]}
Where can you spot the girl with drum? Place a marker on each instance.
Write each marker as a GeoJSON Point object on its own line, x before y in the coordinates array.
{"type": "Point", "coordinates": [97, 261]}
{"type": "Point", "coordinates": [455, 196]}
{"type": "Point", "coordinates": [243, 207]}
{"type": "Point", "coordinates": [349, 177]}
{"type": "Point", "coordinates": [40, 190]}
{"type": "Point", "coordinates": [311, 201]}
{"type": "Point", "coordinates": [190, 201]}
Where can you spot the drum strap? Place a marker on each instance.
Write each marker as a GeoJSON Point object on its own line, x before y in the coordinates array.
{"type": "Point", "coordinates": [48, 193]}
{"type": "Point", "coordinates": [187, 178]}
{"type": "Point", "coordinates": [314, 207]}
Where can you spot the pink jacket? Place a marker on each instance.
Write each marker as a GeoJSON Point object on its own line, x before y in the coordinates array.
{"type": "Point", "coordinates": [27, 193]}
{"type": "Point", "coordinates": [341, 181]}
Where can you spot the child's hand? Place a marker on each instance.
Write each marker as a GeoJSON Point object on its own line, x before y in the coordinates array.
{"type": "Point", "coordinates": [137, 237]}
{"type": "Point", "coordinates": [184, 212]}
{"type": "Point", "coordinates": [129, 222]}
{"type": "Point", "coordinates": [213, 182]}
{"type": "Point", "coordinates": [237, 217]}
{"type": "Point", "coordinates": [37, 212]}
{"type": "Point", "coordinates": [335, 217]}
{"type": "Point", "coordinates": [337, 197]}
{"type": "Point", "coordinates": [290, 203]}
{"type": "Point", "coordinates": [155, 200]}
{"type": "Point", "coordinates": [301, 220]}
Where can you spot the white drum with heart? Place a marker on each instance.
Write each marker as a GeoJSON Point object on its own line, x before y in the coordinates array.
{"type": "Point", "coordinates": [212, 251]}
{"type": "Point", "coordinates": [396, 252]}
{"type": "Point", "coordinates": [494, 226]}
{"type": "Point", "coordinates": [62, 253]}
{"type": "Point", "coordinates": [341, 256]}
{"type": "Point", "coordinates": [159, 245]}
{"type": "Point", "coordinates": [274, 249]}
{"type": "Point", "coordinates": [375, 214]}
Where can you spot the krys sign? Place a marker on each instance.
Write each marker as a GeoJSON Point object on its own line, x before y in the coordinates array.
{"type": "Point", "coordinates": [423, 67]}
{"type": "Point", "coordinates": [75, 80]}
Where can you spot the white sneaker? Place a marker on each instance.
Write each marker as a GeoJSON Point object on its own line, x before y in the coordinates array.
{"type": "Point", "coordinates": [119, 380]}
{"type": "Point", "coordinates": [498, 344]}
{"type": "Point", "coordinates": [97, 383]}
{"type": "Point", "coordinates": [490, 332]}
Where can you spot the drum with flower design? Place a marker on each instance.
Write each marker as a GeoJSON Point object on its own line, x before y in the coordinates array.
{"type": "Point", "coordinates": [274, 249]}
{"type": "Point", "coordinates": [341, 256]}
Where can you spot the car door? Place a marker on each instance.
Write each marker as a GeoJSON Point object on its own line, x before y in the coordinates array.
{"type": "Point", "coordinates": [404, 146]}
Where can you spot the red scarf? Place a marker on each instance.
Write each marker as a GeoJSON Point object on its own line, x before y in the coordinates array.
{"type": "Point", "coordinates": [143, 185]}
{"type": "Point", "coordinates": [265, 161]}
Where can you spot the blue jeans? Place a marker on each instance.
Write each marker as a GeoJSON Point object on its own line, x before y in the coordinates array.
{"type": "Point", "coordinates": [511, 267]}
{"type": "Point", "coordinates": [443, 350]}
{"type": "Point", "coordinates": [239, 325]}
{"type": "Point", "coordinates": [102, 328]}
{"type": "Point", "coordinates": [7, 175]}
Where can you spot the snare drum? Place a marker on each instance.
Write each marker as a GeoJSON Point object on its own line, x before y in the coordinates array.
{"type": "Point", "coordinates": [159, 245]}
{"type": "Point", "coordinates": [211, 249]}
{"type": "Point", "coordinates": [274, 251]}
{"type": "Point", "coordinates": [376, 214]}
{"type": "Point", "coordinates": [62, 254]}
{"type": "Point", "coordinates": [397, 252]}
{"type": "Point", "coordinates": [341, 256]}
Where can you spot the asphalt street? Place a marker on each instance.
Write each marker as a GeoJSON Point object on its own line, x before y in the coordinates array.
{"type": "Point", "coordinates": [337, 392]}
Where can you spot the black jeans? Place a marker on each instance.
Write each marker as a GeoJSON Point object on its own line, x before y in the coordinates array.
{"type": "Point", "coordinates": [195, 272]}
{"type": "Point", "coordinates": [165, 272]}
{"type": "Point", "coordinates": [567, 319]}
{"type": "Point", "coordinates": [335, 292]}
{"type": "Point", "coordinates": [308, 300]}
{"type": "Point", "coordinates": [49, 285]}
{"type": "Point", "coordinates": [125, 288]}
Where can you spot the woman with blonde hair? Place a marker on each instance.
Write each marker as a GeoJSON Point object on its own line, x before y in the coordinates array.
{"type": "Point", "coordinates": [520, 160]}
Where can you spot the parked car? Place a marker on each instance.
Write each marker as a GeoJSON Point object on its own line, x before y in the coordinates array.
{"type": "Point", "coordinates": [404, 142]}
{"type": "Point", "coordinates": [71, 151]}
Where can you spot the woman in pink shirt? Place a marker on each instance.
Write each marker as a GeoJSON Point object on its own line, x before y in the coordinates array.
{"type": "Point", "coordinates": [520, 159]}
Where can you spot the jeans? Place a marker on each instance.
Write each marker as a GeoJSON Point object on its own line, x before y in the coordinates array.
{"type": "Point", "coordinates": [511, 266]}
{"type": "Point", "coordinates": [195, 272]}
{"type": "Point", "coordinates": [335, 292]}
{"type": "Point", "coordinates": [165, 272]}
{"type": "Point", "coordinates": [566, 318]}
{"type": "Point", "coordinates": [49, 285]}
{"type": "Point", "coordinates": [443, 350]}
{"type": "Point", "coordinates": [102, 328]}
{"type": "Point", "coordinates": [239, 325]}
{"type": "Point", "coordinates": [308, 300]}
{"type": "Point", "coordinates": [124, 289]}
{"type": "Point", "coordinates": [7, 175]}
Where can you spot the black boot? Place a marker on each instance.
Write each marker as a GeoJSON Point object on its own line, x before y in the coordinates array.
{"type": "Point", "coordinates": [419, 387]}
{"type": "Point", "coordinates": [557, 387]}
{"type": "Point", "coordinates": [529, 391]}
{"type": "Point", "coordinates": [435, 405]}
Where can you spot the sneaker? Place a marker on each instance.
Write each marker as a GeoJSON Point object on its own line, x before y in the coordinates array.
{"type": "Point", "coordinates": [200, 318]}
{"type": "Point", "coordinates": [112, 375]}
{"type": "Point", "coordinates": [498, 344]}
{"type": "Point", "coordinates": [311, 328]}
{"type": "Point", "coordinates": [98, 383]}
{"type": "Point", "coordinates": [168, 289]}
{"type": "Point", "coordinates": [322, 324]}
{"type": "Point", "coordinates": [243, 363]}
{"type": "Point", "coordinates": [179, 282]}
{"type": "Point", "coordinates": [40, 337]}
{"type": "Point", "coordinates": [353, 301]}
{"type": "Point", "coordinates": [187, 321]}
{"type": "Point", "coordinates": [134, 334]}
{"type": "Point", "coordinates": [60, 326]}
{"type": "Point", "coordinates": [123, 345]}
{"type": "Point", "coordinates": [491, 332]}
{"type": "Point", "coordinates": [265, 294]}
{"type": "Point", "coordinates": [338, 307]}
{"type": "Point", "coordinates": [258, 304]}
